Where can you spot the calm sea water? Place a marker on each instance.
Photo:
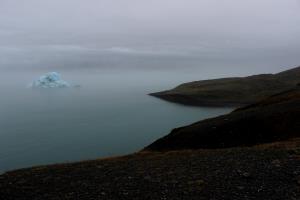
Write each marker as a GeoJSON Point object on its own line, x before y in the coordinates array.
{"type": "Point", "coordinates": [110, 114]}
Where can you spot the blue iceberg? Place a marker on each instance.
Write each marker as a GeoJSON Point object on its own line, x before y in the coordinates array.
{"type": "Point", "coordinates": [50, 80]}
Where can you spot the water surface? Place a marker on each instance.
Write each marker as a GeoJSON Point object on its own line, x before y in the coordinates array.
{"type": "Point", "coordinates": [110, 114]}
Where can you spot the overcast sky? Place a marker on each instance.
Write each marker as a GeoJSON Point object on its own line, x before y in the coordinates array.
{"type": "Point", "coordinates": [271, 26]}
{"type": "Point", "coordinates": [276, 21]}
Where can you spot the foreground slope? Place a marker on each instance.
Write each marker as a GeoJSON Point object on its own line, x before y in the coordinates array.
{"type": "Point", "coordinates": [255, 173]}
{"type": "Point", "coordinates": [273, 119]}
{"type": "Point", "coordinates": [231, 91]}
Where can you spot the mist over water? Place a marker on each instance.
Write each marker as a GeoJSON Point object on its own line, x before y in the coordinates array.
{"type": "Point", "coordinates": [110, 114]}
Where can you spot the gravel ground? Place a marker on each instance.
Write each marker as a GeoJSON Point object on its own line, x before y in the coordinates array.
{"type": "Point", "coordinates": [237, 173]}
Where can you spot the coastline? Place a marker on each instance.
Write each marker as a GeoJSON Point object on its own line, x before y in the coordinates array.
{"type": "Point", "coordinates": [234, 91]}
{"type": "Point", "coordinates": [250, 153]}
{"type": "Point", "coordinates": [190, 101]}
{"type": "Point", "coordinates": [260, 172]}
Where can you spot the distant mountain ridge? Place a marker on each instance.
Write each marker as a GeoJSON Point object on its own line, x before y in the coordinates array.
{"type": "Point", "coordinates": [235, 91]}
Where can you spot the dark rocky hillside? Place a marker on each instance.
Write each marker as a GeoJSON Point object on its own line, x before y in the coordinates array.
{"type": "Point", "coordinates": [257, 173]}
{"type": "Point", "coordinates": [234, 91]}
{"type": "Point", "coordinates": [274, 119]}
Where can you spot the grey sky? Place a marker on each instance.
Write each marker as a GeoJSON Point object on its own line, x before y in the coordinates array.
{"type": "Point", "coordinates": [272, 20]}
{"type": "Point", "coordinates": [265, 29]}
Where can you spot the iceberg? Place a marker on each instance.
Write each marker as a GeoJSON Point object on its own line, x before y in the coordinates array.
{"type": "Point", "coordinates": [50, 80]}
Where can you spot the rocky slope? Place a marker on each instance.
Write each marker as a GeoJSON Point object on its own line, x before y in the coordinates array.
{"type": "Point", "coordinates": [256, 173]}
{"type": "Point", "coordinates": [273, 119]}
{"type": "Point", "coordinates": [231, 91]}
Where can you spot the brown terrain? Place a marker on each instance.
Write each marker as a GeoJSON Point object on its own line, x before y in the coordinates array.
{"type": "Point", "coordinates": [270, 172]}
{"type": "Point", "coordinates": [274, 119]}
{"type": "Point", "coordinates": [234, 91]}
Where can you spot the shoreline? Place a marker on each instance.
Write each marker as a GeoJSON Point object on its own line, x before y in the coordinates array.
{"type": "Point", "coordinates": [232, 91]}
{"type": "Point", "coordinates": [188, 101]}
{"type": "Point", "coordinates": [233, 173]}
{"type": "Point", "coordinates": [251, 153]}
